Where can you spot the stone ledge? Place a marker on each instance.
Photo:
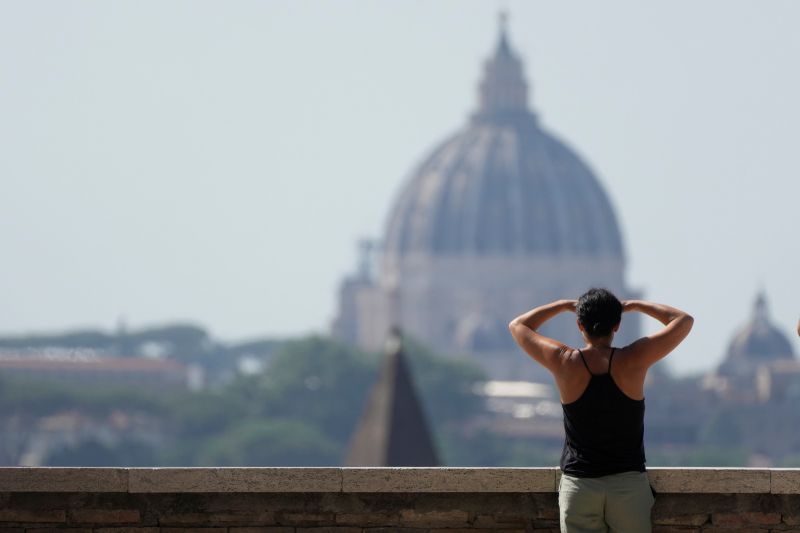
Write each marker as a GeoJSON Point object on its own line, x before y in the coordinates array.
{"type": "Point", "coordinates": [355, 480]}
{"type": "Point", "coordinates": [785, 481]}
{"type": "Point", "coordinates": [710, 480]}
{"type": "Point", "coordinates": [25, 479]}
{"type": "Point", "coordinates": [234, 480]}
{"type": "Point", "coordinates": [448, 479]}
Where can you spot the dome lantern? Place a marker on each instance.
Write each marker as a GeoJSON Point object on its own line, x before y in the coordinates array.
{"type": "Point", "coordinates": [503, 89]}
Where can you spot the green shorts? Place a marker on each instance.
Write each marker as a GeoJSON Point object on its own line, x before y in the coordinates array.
{"type": "Point", "coordinates": [619, 503]}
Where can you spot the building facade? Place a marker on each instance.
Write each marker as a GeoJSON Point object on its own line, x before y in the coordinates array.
{"type": "Point", "coordinates": [499, 217]}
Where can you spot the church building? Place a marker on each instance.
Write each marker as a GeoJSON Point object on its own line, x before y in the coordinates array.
{"type": "Point", "coordinates": [499, 217]}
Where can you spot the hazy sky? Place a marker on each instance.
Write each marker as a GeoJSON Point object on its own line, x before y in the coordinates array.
{"type": "Point", "coordinates": [217, 161]}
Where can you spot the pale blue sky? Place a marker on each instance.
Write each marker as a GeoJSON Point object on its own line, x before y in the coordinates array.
{"type": "Point", "coordinates": [217, 161]}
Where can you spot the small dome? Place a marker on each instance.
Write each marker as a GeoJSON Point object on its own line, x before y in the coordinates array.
{"type": "Point", "coordinates": [502, 185]}
{"type": "Point", "coordinates": [756, 343]}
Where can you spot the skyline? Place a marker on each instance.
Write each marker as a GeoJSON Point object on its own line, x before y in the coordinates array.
{"type": "Point", "coordinates": [250, 129]}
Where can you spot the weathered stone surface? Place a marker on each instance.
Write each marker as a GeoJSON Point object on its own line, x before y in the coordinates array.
{"type": "Point", "coordinates": [710, 480]}
{"type": "Point", "coordinates": [736, 530]}
{"type": "Point", "coordinates": [36, 516]}
{"type": "Point", "coordinates": [448, 480]}
{"type": "Point", "coordinates": [681, 519]}
{"type": "Point", "coordinates": [434, 518]}
{"type": "Point", "coordinates": [476, 530]}
{"type": "Point", "coordinates": [235, 480]}
{"type": "Point", "coordinates": [396, 530]}
{"type": "Point", "coordinates": [24, 479]}
{"type": "Point", "coordinates": [368, 519]}
{"type": "Point", "coordinates": [499, 521]}
{"type": "Point", "coordinates": [307, 519]}
{"type": "Point", "coordinates": [104, 516]}
{"type": "Point", "coordinates": [254, 518]}
{"type": "Point", "coordinates": [482, 480]}
{"type": "Point", "coordinates": [669, 505]}
{"type": "Point", "coordinates": [745, 518]}
{"type": "Point", "coordinates": [194, 530]}
{"type": "Point", "coordinates": [785, 481]}
{"type": "Point", "coordinates": [411, 511]}
{"type": "Point", "coordinates": [58, 530]}
{"type": "Point", "coordinates": [271, 529]}
{"type": "Point", "coordinates": [331, 529]}
{"type": "Point", "coordinates": [130, 529]}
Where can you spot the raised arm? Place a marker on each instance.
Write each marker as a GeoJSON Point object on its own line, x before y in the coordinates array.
{"type": "Point", "coordinates": [677, 325]}
{"type": "Point", "coordinates": [546, 351]}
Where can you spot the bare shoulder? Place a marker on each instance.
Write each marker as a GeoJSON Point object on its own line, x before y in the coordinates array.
{"type": "Point", "coordinates": [629, 357]}
{"type": "Point", "coordinates": [570, 360]}
{"type": "Point", "coordinates": [572, 377]}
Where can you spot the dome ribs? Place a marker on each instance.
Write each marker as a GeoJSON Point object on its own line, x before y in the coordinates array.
{"type": "Point", "coordinates": [447, 226]}
{"type": "Point", "coordinates": [499, 215]}
{"type": "Point", "coordinates": [492, 228]}
{"type": "Point", "coordinates": [503, 186]}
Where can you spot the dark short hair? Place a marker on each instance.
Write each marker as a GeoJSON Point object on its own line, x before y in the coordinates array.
{"type": "Point", "coordinates": [599, 311]}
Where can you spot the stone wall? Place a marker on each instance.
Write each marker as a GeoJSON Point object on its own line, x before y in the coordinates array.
{"type": "Point", "coordinates": [356, 500]}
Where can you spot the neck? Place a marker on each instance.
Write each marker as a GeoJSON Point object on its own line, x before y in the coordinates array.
{"type": "Point", "coordinates": [603, 343]}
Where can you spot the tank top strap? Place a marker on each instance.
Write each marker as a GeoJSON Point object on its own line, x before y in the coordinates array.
{"type": "Point", "coordinates": [610, 358]}
{"type": "Point", "coordinates": [584, 362]}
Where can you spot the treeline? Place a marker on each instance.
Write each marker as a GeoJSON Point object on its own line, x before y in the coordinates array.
{"type": "Point", "coordinates": [300, 411]}
{"type": "Point", "coordinates": [187, 343]}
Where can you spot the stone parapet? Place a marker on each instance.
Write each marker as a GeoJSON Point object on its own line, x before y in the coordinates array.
{"type": "Point", "coordinates": [278, 500]}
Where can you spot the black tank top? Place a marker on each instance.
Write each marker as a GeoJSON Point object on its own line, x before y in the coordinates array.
{"type": "Point", "coordinates": [604, 429]}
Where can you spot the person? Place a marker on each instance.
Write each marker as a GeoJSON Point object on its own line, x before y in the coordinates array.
{"type": "Point", "coordinates": [604, 485]}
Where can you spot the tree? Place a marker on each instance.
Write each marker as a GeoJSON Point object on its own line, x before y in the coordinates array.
{"type": "Point", "coordinates": [269, 443]}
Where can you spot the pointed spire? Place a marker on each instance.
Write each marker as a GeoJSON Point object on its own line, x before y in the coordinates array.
{"type": "Point", "coordinates": [392, 430]}
{"type": "Point", "coordinates": [760, 310]}
{"type": "Point", "coordinates": [503, 46]}
{"type": "Point", "coordinates": [503, 89]}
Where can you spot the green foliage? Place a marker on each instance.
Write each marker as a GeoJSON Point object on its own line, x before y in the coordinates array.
{"type": "Point", "coordinates": [186, 335]}
{"type": "Point", "coordinates": [184, 342]}
{"type": "Point", "coordinates": [791, 460]}
{"type": "Point", "coordinates": [257, 347]}
{"type": "Point", "coordinates": [94, 453]}
{"type": "Point", "coordinates": [199, 414]}
{"type": "Point", "coordinates": [269, 443]}
{"type": "Point", "coordinates": [444, 384]}
{"type": "Point", "coordinates": [718, 456]}
{"type": "Point", "coordinates": [74, 339]}
{"type": "Point", "coordinates": [301, 411]}
{"type": "Point", "coordinates": [723, 429]}
{"type": "Point", "coordinates": [37, 398]}
{"type": "Point", "coordinates": [319, 381]}
{"type": "Point", "coordinates": [489, 449]}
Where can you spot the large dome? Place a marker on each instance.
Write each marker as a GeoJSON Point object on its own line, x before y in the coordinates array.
{"type": "Point", "coordinates": [498, 217]}
{"type": "Point", "coordinates": [503, 186]}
